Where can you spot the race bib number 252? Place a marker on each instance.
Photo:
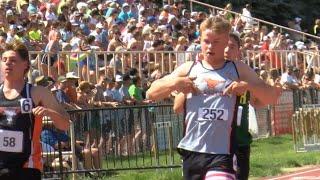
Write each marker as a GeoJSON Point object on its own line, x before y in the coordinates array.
{"type": "Point", "coordinates": [212, 114]}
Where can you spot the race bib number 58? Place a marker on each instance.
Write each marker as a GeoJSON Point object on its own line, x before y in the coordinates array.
{"type": "Point", "coordinates": [11, 141]}
{"type": "Point", "coordinates": [211, 114]}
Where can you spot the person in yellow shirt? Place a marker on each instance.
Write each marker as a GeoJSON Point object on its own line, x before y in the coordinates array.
{"type": "Point", "coordinates": [34, 33]}
{"type": "Point", "coordinates": [35, 36]}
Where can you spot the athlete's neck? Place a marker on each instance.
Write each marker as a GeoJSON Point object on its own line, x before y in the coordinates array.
{"type": "Point", "coordinates": [213, 64]}
{"type": "Point", "coordinates": [17, 84]}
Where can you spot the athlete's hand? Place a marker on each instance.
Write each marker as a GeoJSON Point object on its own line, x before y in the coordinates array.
{"type": "Point", "coordinates": [236, 88]}
{"type": "Point", "coordinates": [185, 85]}
{"type": "Point", "coordinates": [40, 111]}
{"type": "Point", "coordinates": [114, 104]}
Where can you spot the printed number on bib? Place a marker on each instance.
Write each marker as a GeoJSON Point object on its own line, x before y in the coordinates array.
{"type": "Point", "coordinates": [26, 105]}
{"type": "Point", "coordinates": [11, 141]}
{"type": "Point", "coordinates": [210, 114]}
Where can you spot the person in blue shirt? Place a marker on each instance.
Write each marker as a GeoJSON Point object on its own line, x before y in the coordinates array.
{"type": "Point", "coordinates": [124, 13]}
{"type": "Point", "coordinates": [134, 12]}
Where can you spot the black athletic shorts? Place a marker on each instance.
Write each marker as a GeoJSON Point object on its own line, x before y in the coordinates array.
{"type": "Point", "coordinates": [20, 174]}
{"type": "Point", "coordinates": [243, 162]}
{"type": "Point", "coordinates": [52, 59]}
{"type": "Point", "coordinates": [196, 165]}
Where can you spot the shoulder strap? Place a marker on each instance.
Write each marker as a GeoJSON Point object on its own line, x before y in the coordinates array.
{"type": "Point", "coordinates": [28, 89]}
{"type": "Point", "coordinates": [193, 64]}
{"type": "Point", "coordinates": [235, 67]}
{"type": "Point", "coordinates": [31, 117]}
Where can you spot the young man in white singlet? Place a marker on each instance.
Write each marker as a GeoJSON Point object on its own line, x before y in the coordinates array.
{"type": "Point", "coordinates": [211, 87]}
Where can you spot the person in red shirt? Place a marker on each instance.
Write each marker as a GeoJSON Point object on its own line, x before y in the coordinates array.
{"type": "Point", "coordinates": [266, 43]}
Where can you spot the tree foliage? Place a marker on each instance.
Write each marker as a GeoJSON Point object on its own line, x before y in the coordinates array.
{"type": "Point", "coordinates": [276, 11]}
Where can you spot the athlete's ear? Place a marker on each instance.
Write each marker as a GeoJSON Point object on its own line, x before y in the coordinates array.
{"type": "Point", "coordinates": [27, 67]}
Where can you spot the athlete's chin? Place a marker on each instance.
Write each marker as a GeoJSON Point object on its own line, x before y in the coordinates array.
{"type": "Point", "coordinates": [209, 56]}
{"type": "Point", "coordinates": [9, 75]}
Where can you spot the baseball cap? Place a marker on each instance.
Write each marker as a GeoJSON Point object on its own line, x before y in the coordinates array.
{"type": "Point", "coordinates": [297, 19]}
{"type": "Point", "coordinates": [71, 75]}
{"type": "Point", "coordinates": [62, 79]}
{"type": "Point", "coordinates": [44, 81]}
{"type": "Point", "coordinates": [9, 12]}
{"type": "Point", "coordinates": [99, 26]}
{"type": "Point", "coordinates": [13, 26]}
{"type": "Point", "coordinates": [125, 5]}
{"type": "Point", "coordinates": [166, 7]}
{"type": "Point", "coordinates": [20, 28]}
{"type": "Point", "coordinates": [119, 78]}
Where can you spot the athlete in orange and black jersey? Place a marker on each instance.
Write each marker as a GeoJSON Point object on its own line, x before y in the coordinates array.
{"type": "Point", "coordinates": [22, 108]}
{"type": "Point", "coordinates": [18, 147]}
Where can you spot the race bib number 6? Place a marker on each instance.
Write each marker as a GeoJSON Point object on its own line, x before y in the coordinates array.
{"type": "Point", "coordinates": [11, 141]}
{"type": "Point", "coordinates": [211, 114]}
{"type": "Point", "coordinates": [26, 105]}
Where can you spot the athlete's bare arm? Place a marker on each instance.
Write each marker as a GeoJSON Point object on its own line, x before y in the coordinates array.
{"type": "Point", "coordinates": [177, 80]}
{"type": "Point", "coordinates": [256, 103]}
{"type": "Point", "coordinates": [178, 105]}
{"type": "Point", "coordinates": [48, 106]}
{"type": "Point", "coordinates": [249, 81]}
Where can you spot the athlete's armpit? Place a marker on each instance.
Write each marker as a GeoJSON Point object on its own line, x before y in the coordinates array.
{"type": "Point", "coordinates": [43, 97]}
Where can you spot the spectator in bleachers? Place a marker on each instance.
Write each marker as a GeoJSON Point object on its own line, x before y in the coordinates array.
{"type": "Point", "coordinates": [109, 94]}
{"type": "Point", "coordinates": [85, 94]}
{"type": "Point", "coordinates": [289, 80]}
{"type": "Point", "coordinates": [308, 80]}
{"type": "Point", "coordinates": [181, 46]}
{"type": "Point", "coordinates": [296, 26]}
{"type": "Point", "coordinates": [70, 88]}
{"type": "Point", "coordinates": [52, 48]}
{"type": "Point", "coordinates": [124, 14]}
{"type": "Point", "coordinates": [115, 40]}
{"type": "Point", "coordinates": [274, 78]}
{"type": "Point", "coordinates": [100, 36]}
{"type": "Point", "coordinates": [316, 27]}
{"type": "Point", "coordinates": [247, 17]}
{"type": "Point", "coordinates": [227, 15]}
{"type": "Point", "coordinates": [317, 76]}
{"type": "Point", "coordinates": [66, 32]}
{"type": "Point", "coordinates": [134, 90]}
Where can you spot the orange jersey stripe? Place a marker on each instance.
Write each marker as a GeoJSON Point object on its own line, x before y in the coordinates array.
{"type": "Point", "coordinates": [35, 159]}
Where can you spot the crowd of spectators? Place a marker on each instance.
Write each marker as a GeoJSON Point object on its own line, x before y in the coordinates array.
{"type": "Point", "coordinates": [137, 25]}
{"type": "Point", "coordinates": [82, 80]}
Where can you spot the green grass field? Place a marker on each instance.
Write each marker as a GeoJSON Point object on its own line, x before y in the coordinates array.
{"type": "Point", "coordinates": [269, 157]}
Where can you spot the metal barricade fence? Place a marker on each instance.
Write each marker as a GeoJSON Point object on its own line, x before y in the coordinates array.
{"type": "Point", "coordinates": [264, 122]}
{"type": "Point", "coordinates": [88, 65]}
{"type": "Point", "coordinates": [305, 121]}
{"type": "Point", "coordinates": [122, 138]}
{"type": "Point", "coordinates": [281, 59]}
{"type": "Point", "coordinates": [144, 137]}
{"type": "Point", "coordinates": [306, 128]}
{"type": "Point", "coordinates": [277, 119]}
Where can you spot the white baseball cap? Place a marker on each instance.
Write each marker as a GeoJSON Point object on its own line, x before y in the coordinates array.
{"type": "Point", "coordinates": [72, 75]}
{"type": "Point", "coordinates": [119, 78]}
{"type": "Point", "coordinates": [99, 25]}
{"type": "Point", "coordinates": [297, 19]}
